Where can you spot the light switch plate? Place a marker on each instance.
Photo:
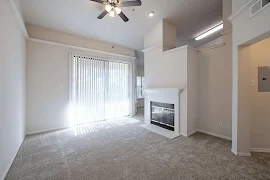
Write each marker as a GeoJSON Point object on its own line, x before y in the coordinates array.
{"type": "Point", "coordinates": [252, 83]}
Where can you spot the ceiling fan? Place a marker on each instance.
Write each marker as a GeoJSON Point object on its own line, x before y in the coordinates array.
{"type": "Point", "coordinates": [114, 6]}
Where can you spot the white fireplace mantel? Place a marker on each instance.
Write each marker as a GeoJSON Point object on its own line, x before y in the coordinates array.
{"type": "Point", "coordinates": [163, 95]}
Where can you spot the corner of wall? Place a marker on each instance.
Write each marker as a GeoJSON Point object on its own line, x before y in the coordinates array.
{"type": "Point", "coordinates": [192, 91]}
{"type": "Point", "coordinates": [18, 16]}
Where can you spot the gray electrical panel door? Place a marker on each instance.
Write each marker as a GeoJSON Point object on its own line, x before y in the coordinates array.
{"type": "Point", "coordinates": [264, 79]}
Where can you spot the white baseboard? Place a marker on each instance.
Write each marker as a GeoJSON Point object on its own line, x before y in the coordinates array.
{"type": "Point", "coordinates": [10, 163]}
{"type": "Point", "coordinates": [260, 150]}
{"type": "Point", "coordinates": [47, 130]}
{"type": "Point", "coordinates": [214, 134]}
{"type": "Point", "coordinates": [206, 132]}
{"type": "Point", "coordinates": [240, 153]}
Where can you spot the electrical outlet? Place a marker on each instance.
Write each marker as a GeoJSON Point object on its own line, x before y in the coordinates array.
{"type": "Point", "coordinates": [220, 123]}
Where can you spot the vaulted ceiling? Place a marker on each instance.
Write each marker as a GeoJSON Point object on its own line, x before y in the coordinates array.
{"type": "Point", "coordinates": [79, 17]}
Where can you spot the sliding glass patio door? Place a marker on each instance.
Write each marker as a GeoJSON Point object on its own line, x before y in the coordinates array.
{"type": "Point", "coordinates": [99, 89]}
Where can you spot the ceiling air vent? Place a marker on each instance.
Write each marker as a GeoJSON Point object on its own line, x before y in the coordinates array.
{"type": "Point", "coordinates": [265, 2]}
{"type": "Point", "coordinates": [258, 6]}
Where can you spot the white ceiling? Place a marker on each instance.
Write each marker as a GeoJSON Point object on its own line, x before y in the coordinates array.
{"type": "Point", "coordinates": [80, 17]}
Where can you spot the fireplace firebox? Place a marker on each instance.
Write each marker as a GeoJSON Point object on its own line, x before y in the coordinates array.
{"type": "Point", "coordinates": [162, 115]}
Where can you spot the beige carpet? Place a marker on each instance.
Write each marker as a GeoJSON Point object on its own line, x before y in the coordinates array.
{"type": "Point", "coordinates": [121, 150]}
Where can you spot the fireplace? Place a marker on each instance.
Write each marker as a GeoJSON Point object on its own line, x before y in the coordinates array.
{"type": "Point", "coordinates": [162, 111]}
{"type": "Point", "coordinates": [162, 115]}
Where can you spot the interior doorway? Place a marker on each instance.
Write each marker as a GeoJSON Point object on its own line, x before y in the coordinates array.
{"type": "Point", "coordinates": [254, 92]}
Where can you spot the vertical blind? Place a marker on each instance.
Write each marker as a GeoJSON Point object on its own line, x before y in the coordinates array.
{"type": "Point", "coordinates": [99, 89]}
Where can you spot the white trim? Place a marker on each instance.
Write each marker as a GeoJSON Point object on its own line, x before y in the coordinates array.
{"type": "Point", "coordinates": [133, 91]}
{"type": "Point", "coordinates": [212, 47]}
{"type": "Point", "coordinates": [241, 10]}
{"type": "Point", "coordinates": [152, 47]}
{"type": "Point", "coordinates": [240, 153]}
{"type": "Point", "coordinates": [263, 150]}
{"type": "Point", "coordinates": [10, 163]}
{"type": "Point", "coordinates": [214, 134]}
{"type": "Point", "coordinates": [47, 130]}
{"type": "Point", "coordinates": [18, 17]}
{"type": "Point", "coordinates": [167, 46]}
{"type": "Point", "coordinates": [180, 48]}
{"type": "Point", "coordinates": [159, 45]}
{"type": "Point", "coordinates": [177, 49]}
{"type": "Point", "coordinates": [227, 31]}
{"type": "Point", "coordinates": [78, 48]}
{"type": "Point", "coordinates": [171, 48]}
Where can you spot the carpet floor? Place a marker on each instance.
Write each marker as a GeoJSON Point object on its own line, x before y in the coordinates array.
{"type": "Point", "coordinates": [122, 150]}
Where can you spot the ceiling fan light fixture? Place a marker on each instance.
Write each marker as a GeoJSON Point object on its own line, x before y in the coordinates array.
{"type": "Point", "coordinates": [117, 10]}
{"type": "Point", "coordinates": [108, 8]}
{"type": "Point", "coordinates": [114, 6]}
{"type": "Point", "coordinates": [112, 14]}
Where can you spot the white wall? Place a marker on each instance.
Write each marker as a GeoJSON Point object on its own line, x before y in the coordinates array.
{"type": "Point", "coordinates": [65, 38]}
{"type": "Point", "coordinates": [174, 68]}
{"type": "Point", "coordinates": [154, 36]}
{"type": "Point", "coordinates": [139, 58]}
{"type": "Point", "coordinates": [169, 36]}
{"type": "Point", "coordinates": [162, 33]}
{"type": "Point", "coordinates": [259, 55]}
{"type": "Point", "coordinates": [193, 91]}
{"type": "Point", "coordinates": [215, 84]}
{"type": "Point", "coordinates": [246, 30]}
{"type": "Point", "coordinates": [215, 81]}
{"type": "Point", "coordinates": [12, 88]}
{"type": "Point", "coordinates": [140, 71]}
{"type": "Point", "coordinates": [47, 76]}
{"type": "Point", "coordinates": [169, 70]}
{"type": "Point", "coordinates": [227, 11]}
{"type": "Point", "coordinates": [237, 4]}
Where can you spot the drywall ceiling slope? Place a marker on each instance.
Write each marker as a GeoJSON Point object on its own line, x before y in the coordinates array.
{"type": "Point", "coordinates": [80, 18]}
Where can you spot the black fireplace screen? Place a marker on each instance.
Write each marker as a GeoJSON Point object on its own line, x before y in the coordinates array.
{"type": "Point", "coordinates": [162, 115]}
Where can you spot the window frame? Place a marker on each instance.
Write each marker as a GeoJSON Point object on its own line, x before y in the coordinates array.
{"type": "Point", "coordinates": [141, 87]}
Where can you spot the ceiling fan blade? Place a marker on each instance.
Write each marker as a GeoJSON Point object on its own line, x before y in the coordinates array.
{"type": "Point", "coordinates": [98, 1]}
{"type": "Point", "coordinates": [123, 16]}
{"type": "Point", "coordinates": [104, 13]}
{"type": "Point", "coordinates": [131, 3]}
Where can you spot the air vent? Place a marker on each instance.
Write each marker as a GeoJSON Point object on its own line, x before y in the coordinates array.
{"type": "Point", "coordinates": [258, 6]}
{"type": "Point", "coordinates": [265, 2]}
